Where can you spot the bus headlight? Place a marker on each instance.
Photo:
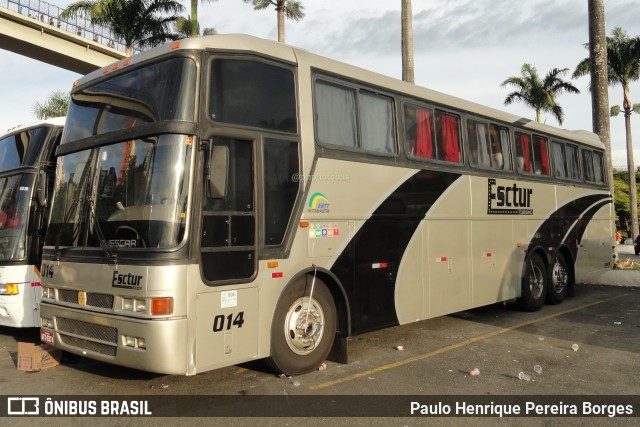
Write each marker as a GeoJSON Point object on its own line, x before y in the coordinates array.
{"type": "Point", "coordinates": [9, 289]}
{"type": "Point", "coordinates": [48, 292]}
{"type": "Point", "coordinates": [46, 323]}
{"type": "Point", "coordinates": [133, 304]}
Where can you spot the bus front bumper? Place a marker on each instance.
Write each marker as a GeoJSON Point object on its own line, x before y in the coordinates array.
{"type": "Point", "coordinates": [158, 345]}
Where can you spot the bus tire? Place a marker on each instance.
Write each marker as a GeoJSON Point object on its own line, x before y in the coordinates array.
{"type": "Point", "coordinates": [299, 344]}
{"type": "Point", "coordinates": [559, 280]}
{"type": "Point", "coordinates": [534, 284]}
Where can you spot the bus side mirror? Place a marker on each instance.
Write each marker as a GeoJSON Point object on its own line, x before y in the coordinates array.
{"type": "Point", "coordinates": [218, 172]}
{"type": "Point", "coordinates": [42, 191]}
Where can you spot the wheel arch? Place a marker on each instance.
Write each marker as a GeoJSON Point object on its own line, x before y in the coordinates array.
{"type": "Point", "coordinates": [338, 293]}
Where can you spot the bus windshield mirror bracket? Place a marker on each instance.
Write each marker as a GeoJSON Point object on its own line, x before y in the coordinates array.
{"type": "Point", "coordinates": [218, 172]}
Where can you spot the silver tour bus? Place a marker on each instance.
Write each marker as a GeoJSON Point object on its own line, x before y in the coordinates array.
{"type": "Point", "coordinates": [225, 198]}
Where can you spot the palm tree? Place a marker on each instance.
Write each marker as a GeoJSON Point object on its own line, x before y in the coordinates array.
{"type": "Point", "coordinates": [407, 42]}
{"type": "Point", "coordinates": [144, 23]}
{"type": "Point", "coordinates": [56, 105]}
{"type": "Point", "coordinates": [623, 60]}
{"type": "Point", "coordinates": [184, 28]}
{"type": "Point", "coordinates": [539, 94]}
{"type": "Point", "coordinates": [195, 26]}
{"type": "Point", "coordinates": [293, 9]}
{"type": "Point", "coordinates": [599, 85]}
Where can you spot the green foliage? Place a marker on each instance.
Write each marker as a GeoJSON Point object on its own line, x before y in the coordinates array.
{"type": "Point", "coordinates": [144, 23]}
{"type": "Point", "coordinates": [621, 196]}
{"type": "Point", "coordinates": [539, 94]}
{"type": "Point", "coordinates": [56, 105]}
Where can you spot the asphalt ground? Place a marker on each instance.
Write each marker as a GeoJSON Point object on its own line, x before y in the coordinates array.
{"type": "Point", "coordinates": [438, 355]}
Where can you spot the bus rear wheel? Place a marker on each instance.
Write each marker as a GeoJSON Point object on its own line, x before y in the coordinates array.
{"type": "Point", "coordinates": [559, 280]}
{"type": "Point", "coordinates": [303, 329]}
{"type": "Point", "coordinates": [534, 284]}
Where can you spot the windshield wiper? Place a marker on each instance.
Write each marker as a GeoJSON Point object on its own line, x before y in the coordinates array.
{"type": "Point", "coordinates": [112, 255]}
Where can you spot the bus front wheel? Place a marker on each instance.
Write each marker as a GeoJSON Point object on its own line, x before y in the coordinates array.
{"type": "Point", "coordinates": [534, 284]}
{"type": "Point", "coordinates": [559, 280]}
{"type": "Point", "coordinates": [303, 329]}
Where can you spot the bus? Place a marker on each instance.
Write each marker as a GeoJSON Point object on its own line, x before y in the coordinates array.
{"type": "Point", "coordinates": [224, 199]}
{"type": "Point", "coordinates": [27, 166]}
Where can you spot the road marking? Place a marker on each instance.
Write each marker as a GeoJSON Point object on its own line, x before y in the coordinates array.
{"type": "Point", "coordinates": [457, 345]}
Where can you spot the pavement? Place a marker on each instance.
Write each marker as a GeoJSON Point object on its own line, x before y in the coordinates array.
{"type": "Point", "coordinates": [619, 277]}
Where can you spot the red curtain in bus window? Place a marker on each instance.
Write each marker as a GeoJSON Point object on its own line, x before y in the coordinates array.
{"type": "Point", "coordinates": [424, 147]}
{"type": "Point", "coordinates": [524, 143]}
{"type": "Point", "coordinates": [544, 158]}
{"type": "Point", "coordinates": [450, 150]}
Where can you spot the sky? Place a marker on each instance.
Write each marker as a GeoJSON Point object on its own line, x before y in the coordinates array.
{"type": "Point", "coordinates": [465, 48]}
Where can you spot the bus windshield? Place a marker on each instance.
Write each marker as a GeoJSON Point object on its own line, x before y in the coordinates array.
{"type": "Point", "coordinates": [131, 194]}
{"type": "Point", "coordinates": [158, 92]}
{"type": "Point", "coordinates": [15, 193]}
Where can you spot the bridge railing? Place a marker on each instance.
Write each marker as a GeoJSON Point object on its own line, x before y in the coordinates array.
{"type": "Point", "coordinates": [50, 14]}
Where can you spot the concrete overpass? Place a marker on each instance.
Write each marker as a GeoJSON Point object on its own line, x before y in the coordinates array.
{"type": "Point", "coordinates": [38, 34]}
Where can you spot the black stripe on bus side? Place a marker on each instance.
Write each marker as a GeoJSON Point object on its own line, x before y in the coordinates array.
{"type": "Point", "coordinates": [574, 216]}
{"type": "Point", "coordinates": [383, 238]}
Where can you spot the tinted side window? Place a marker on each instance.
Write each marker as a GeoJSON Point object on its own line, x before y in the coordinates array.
{"type": "Point", "coordinates": [22, 148]}
{"type": "Point", "coordinates": [448, 137]}
{"type": "Point", "coordinates": [280, 169]}
{"type": "Point", "coordinates": [253, 93]}
{"type": "Point", "coordinates": [335, 115]}
{"type": "Point", "coordinates": [587, 166]}
{"type": "Point", "coordinates": [559, 168]}
{"type": "Point", "coordinates": [489, 145]}
{"type": "Point", "coordinates": [418, 131]}
{"type": "Point", "coordinates": [573, 169]}
{"type": "Point", "coordinates": [377, 130]}
{"type": "Point", "coordinates": [598, 167]}
{"type": "Point", "coordinates": [540, 155]}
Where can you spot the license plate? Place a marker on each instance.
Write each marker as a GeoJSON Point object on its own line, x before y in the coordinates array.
{"type": "Point", "coordinates": [46, 337]}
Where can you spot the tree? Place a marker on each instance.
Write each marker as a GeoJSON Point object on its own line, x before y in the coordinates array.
{"type": "Point", "coordinates": [184, 28]}
{"type": "Point", "coordinates": [56, 105]}
{"type": "Point", "coordinates": [407, 42]}
{"type": "Point", "coordinates": [143, 23]}
{"type": "Point", "coordinates": [292, 9]}
{"type": "Point", "coordinates": [623, 64]}
{"type": "Point", "coordinates": [195, 26]}
{"type": "Point", "coordinates": [539, 94]}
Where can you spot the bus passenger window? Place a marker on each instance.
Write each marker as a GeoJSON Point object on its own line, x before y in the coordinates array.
{"type": "Point", "coordinates": [558, 160]}
{"type": "Point", "coordinates": [377, 130]}
{"type": "Point", "coordinates": [478, 143]}
{"type": "Point", "coordinates": [572, 162]}
{"type": "Point", "coordinates": [418, 131]}
{"type": "Point", "coordinates": [587, 166]}
{"type": "Point", "coordinates": [598, 167]}
{"type": "Point", "coordinates": [540, 155]}
{"type": "Point", "coordinates": [447, 137]}
{"type": "Point", "coordinates": [523, 152]}
{"type": "Point", "coordinates": [335, 115]}
{"type": "Point", "coordinates": [500, 152]}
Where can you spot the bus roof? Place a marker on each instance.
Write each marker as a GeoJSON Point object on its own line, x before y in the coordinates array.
{"type": "Point", "coordinates": [54, 121]}
{"type": "Point", "coordinates": [288, 53]}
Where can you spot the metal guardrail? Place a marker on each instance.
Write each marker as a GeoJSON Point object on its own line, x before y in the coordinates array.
{"type": "Point", "coordinates": [80, 26]}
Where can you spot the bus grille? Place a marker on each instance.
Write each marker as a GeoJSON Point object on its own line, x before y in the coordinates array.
{"type": "Point", "coordinates": [93, 299]}
{"type": "Point", "coordinates": [88, 330]}
{"type": "Point", "coordinates": [96, 347]}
